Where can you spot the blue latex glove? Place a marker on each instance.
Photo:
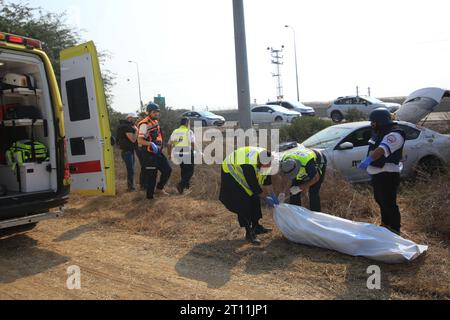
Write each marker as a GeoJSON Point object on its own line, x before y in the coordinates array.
{"type": "Point", "coordinates": [154, 148]}
{"type": "Point", "coordinates": [272, 200]}
{"type": "Point", "coordinates": [366, 163]}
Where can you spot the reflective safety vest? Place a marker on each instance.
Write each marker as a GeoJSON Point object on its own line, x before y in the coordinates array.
{"type": "Point", "coordinates": [26, 151]}
{"type": "Point", "coordinates": [154, 133]}
{"type": "Point", "coordinates": [247, 155]}
{"type": "Point", "coordinates": [303, 156]}
{"type": "Point", "coordinates": [180, 137]}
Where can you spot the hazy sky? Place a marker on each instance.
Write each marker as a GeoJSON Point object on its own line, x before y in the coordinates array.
{"type": "Point", "coordinates": [185, 49]}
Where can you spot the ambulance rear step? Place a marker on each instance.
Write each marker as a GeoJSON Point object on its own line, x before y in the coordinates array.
{"type": "Point", "coordinates": [31, 219]}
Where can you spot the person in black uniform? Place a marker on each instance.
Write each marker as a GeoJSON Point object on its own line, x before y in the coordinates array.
{"type": "Point", "coordinates": [306, 169]}
{"type": "Point", "coordinates": [384, 166]}
{"type": "Point", "coordinates": [127, 137]}
{"type": "Point", "coordinates": [244, 182]}
{"type": "Point", "coordinates": [151, 137]}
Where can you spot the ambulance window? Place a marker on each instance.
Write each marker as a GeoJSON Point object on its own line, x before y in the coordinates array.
{"type": "Point", "coordinates": [77, 147]}
{"type": "Point", "coordinates": [77, 98]}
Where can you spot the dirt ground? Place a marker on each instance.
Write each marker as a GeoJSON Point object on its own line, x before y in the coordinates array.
{"type": "Point", "coordinates": [190, 247]}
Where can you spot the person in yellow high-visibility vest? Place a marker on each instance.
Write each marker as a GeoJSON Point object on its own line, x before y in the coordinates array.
{"type": "Point", "coordinates": [245, 180]}
{"type": "Point", "coordinates": [181, 150]}
{"type": "Point", "coordinates": [306, 168]}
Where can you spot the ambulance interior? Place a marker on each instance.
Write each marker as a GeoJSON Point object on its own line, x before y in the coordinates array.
{"type": "Point", "coordinates": [27, 128]}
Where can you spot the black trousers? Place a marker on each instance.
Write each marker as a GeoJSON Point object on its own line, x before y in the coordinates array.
{"type": "Point", "coordinates": [140, 152]}
{"type": "Point", "coordinates": [153, 164]}
{"type": "Point", "coordinates": [385, 188]}
{"type": "Point", "coordinates": [187, 172]}
{"type": "Point", "coordinates": [314, 194]}
{"type": "Point", "coordinates": [235, 199]}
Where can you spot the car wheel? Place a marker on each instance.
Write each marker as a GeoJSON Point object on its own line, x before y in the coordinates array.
{"type": "Point", "coordinates": [278, 119]}
{"type": "Point", "coordinates": [337, 117]}
{"type": "Point", "coordinates": [429, 166]}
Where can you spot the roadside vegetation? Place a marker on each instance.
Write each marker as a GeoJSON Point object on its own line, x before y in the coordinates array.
{"type": "Point", "coordinates": [303, 128]}
{"type": "Point", "coordinates": [354, 115]}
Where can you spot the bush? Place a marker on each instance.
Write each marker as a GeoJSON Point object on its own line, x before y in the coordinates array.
{"type": "Point", "coordinates": [303, 128]}
{"type": "Point", "coordinates": [354, 115]}
{"type": "Point", "coordinates": [170, 120]}
{"type": "Point", "coordinates": [429, 207]}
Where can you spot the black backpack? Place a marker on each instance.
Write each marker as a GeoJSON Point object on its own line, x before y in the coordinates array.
{"type": "Point", "coordinates": [22, 112]}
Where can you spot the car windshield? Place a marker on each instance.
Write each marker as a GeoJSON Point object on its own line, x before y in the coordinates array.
{"type": "Point", "coordinates": [327, 138]}
{"type": "Point", "coordinates": [297, 104]}
{"type": "Point", "coordinates": [207, 114]}
{"type": "Point", "coordinates": [280, 109]}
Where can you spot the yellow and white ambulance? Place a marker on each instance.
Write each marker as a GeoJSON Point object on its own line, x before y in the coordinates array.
{"type": "Point", "coordinates": [69, 128]}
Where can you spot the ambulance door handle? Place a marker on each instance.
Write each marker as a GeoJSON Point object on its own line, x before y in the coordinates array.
{"type": "Point", "coordinates": [88, 138]}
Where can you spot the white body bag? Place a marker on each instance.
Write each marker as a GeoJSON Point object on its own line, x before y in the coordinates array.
{"type": "Point", "coordinates": [303, 226]}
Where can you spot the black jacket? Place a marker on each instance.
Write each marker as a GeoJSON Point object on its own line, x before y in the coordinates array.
{"type": "Point", "coordinates": [124, 143]}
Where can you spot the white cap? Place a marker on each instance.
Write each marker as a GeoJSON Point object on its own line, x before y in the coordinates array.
{"type": "Point", "coordinates": [132, 115]}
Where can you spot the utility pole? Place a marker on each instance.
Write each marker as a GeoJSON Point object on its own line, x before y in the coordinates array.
{"type": "Point", "coordinates": [357, 91]}
{"type": "Point", "coordinates": [277, 60]}
{"type": "Point", "coordinates": [139, 83]}
{"type": "Point", "coordinates": [243, 85]}
{"type": "Point", "coordinates": [369, 91]}
{"type": "Point", "coordinates": [296, 64]}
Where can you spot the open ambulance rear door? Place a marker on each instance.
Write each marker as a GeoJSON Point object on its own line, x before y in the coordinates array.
{"type": "Point", "coordinates": [89, 150]}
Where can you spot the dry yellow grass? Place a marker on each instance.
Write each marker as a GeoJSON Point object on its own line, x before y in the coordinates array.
{"type": "Point", "coordinates": [199, 221]}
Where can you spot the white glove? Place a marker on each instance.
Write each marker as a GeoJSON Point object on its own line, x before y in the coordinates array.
{"type": "Point", "coordinates": [295, 191]}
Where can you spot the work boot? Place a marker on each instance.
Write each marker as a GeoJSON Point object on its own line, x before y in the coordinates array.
{"type": "Point", "coordinates": [397, 232]}
{"type": "Point", "coordinates": [180, 189]}
{"type": "Point", "coordinates": [161, 193]}
{"type": "Point", "coordinates": [261, 230]}
{"type": "Point", "coordinates": [251, 237]}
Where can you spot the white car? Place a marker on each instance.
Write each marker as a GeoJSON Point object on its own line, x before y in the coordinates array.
{"type": "Point", "coordinates": [271, 114]}
{"type": "Point", "coordinates": [347, 145]}
{"type": "Point", "coordinates": [295, 106]}
{"type": "Point", "coordinates": [339, 109]}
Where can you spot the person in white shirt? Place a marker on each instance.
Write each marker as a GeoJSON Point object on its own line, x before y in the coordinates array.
{"type": "Point", "coordinates": [384, 165]}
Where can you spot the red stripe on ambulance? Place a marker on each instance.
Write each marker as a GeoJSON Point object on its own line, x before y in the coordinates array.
{"type": "Point", "coordinates": [85, 167]}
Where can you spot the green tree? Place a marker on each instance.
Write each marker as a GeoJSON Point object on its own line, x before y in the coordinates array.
{"type": "Point", "coordinates": [55, 34]}
{"type": "Point", "coordinates": [50, 28]}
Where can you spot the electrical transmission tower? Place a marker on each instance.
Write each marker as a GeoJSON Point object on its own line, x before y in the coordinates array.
{"type": "Point", "coordinates": [277, 60]}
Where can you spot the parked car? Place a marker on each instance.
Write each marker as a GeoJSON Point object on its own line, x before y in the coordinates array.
{"type": "Point", "coordinates": [271, 114]}
{"type": "Point", "coordinates": [70, 127]}
{"type": "Point", "coordinates": [206, 118]}
{"type": "Point", "coordinates": [295, 106]}
{"type": "Point", "coordinates": [346, 146]}
{"type": "Point", "coordinates": [339, 109]}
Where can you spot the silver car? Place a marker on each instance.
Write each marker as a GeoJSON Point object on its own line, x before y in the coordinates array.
{"type": "Point", "coordinates": [347, 145]}
{"type": "Point", "coordinates": [295, 106]}
{"type": "Point", "coordinates": [339, 109]}
{"type": "Point", "coordinates": [205, 118]}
